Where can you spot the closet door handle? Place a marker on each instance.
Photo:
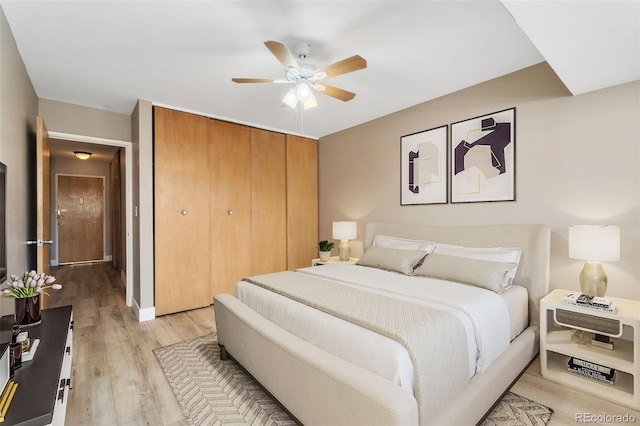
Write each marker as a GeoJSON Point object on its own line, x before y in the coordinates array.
{"type": "Point", "coordinates": [230, 212]}
{"type": "Point", "coordinates": [184, 212]}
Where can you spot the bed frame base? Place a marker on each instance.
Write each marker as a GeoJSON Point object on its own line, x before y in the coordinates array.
{"type": "Point", "coordinates": [343, 393]}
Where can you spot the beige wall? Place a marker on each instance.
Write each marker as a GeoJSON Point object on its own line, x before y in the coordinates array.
{"type": "Point", "coordinates": [18, 109]}
{"type": "Point", "coordinates": [142, 137]}
{"type": "Point", "coordinates": [577, 162]}
{"type": "Point", "coordinates": [79, 120]}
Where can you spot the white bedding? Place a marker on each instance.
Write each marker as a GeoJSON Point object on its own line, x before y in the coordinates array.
{"type": "Point", "coordinates": [487, 317]}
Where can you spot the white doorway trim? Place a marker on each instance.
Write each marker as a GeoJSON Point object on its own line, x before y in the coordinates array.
{"type": "Point", "coordinates": [128, 152]}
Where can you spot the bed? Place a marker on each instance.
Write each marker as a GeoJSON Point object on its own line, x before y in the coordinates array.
{"type": "Point", "coordinates": [443, 353]}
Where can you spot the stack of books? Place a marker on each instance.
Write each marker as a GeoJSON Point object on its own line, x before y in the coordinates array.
{"type": "Point", "coordinates": [587, 301]}
{"type": "Point", "coordinates": [592, 370]}
{"type": "Point", "coordinates": [29, 348]}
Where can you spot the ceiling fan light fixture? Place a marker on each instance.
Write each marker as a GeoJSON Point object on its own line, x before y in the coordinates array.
{"type": "Point", "coordinates": [83, 155]}
{"type": "Point", "coordinates": [291, 98]}
{"type": "Point", "coordinates": [310, 103]}
{"type": "Point", "coordinates": [304, 92]}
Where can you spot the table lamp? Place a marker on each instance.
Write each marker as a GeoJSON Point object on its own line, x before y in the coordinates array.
{"type": "Point", "coordinates": [344, 231]}
{"type": "Point", "coordinates": [594, 244]}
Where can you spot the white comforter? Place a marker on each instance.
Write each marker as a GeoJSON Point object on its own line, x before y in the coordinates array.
{"type": "Point", "coordinates": [483, 313]}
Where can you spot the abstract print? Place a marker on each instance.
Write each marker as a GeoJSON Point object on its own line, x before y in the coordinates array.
{"type": "Point", "coordinates": [424, 167]}
{"type": "Point", "coordinates": [483, 158]}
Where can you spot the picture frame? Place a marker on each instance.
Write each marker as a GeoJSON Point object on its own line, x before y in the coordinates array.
{"type": "Point", "coordinates": [483, 158]}
{"type": "Point", "coordinates": [423, 167]}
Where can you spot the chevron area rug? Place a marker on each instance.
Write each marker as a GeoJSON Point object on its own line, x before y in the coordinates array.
{"type": "Point", "coordinates": [214, 392]}
{"type": "Point", "coordinates": [515, 410]}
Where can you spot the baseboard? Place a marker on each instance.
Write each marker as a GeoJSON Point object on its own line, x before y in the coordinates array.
{"type": "Point", "coordinates": [146, 314]}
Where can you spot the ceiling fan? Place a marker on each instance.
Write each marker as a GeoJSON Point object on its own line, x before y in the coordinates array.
{"type": "Point", "coordinates": [307, 78]}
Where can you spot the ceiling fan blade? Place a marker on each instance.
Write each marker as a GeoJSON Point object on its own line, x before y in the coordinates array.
{"type": "Point", "coordinates": [282, 53]}
{"type": "Point", "coordinates": [351, 64]}
{"type": "Point", "coordinates": [259, 80]}
{"type": "Point", "coordinates": [334, 92]}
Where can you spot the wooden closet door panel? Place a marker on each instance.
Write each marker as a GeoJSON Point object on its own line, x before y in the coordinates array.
{"type": "Point", "coordinates": [302, 201]}
{"type": "Point", "coordinates": [182, 220]}
{"type": "Point", "coordinates": [230, 154]}
{"type": "Point", "coordinates": [268, 202]}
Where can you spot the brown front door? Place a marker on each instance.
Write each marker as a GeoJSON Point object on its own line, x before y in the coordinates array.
{"type": "Point", "coordinates": [80, 219]}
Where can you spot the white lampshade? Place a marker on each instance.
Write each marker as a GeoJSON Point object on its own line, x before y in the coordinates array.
{"type": "Point", "coordinates": [594, 243]}
{"type": "Point", "coordinates": [301, 93]}
{"type": "Point", "coordinates": [291, 99]}
{"type": "Point", "coordinates": [345, 230]}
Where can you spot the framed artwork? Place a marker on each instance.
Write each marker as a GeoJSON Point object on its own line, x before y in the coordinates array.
{"type": "Point", "coordinates": [423, 167]}
{"type": "Point", "coordinates": [483, 158]}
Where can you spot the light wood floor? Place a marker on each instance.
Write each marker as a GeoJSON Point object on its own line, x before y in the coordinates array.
{"type": "Point", "coordinates": [117, 380]}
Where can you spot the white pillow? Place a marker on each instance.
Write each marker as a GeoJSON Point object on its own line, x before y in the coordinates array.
{"type": "Point", "coordinates": [493, 254]}
{"type": "Point", "coordinates": [403, 243]}
{"type": "Point", "coordinates": [480, 273]}
{"type": "Point", "coordinates": [396, 260]}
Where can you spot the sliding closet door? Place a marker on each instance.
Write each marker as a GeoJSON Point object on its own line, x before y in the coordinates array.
{"type": "Point", "coordinates": [268, 202]}
{"type": "Point", "coordinates": [230, 153]}
{"type": "Point", "coordinates": [302, 201]}
{"type": "Point", "coordinates": [181, 177]}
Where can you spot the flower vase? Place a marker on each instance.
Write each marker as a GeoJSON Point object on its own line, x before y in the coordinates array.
{"type": "Point", "coordinates": [27, 311]}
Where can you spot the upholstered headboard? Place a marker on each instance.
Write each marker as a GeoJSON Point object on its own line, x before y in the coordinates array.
{"type": "Point", "coordinates": [533, 241]}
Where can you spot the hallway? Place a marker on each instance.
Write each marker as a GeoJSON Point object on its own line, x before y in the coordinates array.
{"type": "Point", "coordinates": [116, 379]}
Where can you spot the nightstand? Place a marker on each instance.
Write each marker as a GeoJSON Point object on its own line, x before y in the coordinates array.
{"type": "Point", "coordinates": [333, 259]}
{"type": "Point", "coordinates": [557, 322]}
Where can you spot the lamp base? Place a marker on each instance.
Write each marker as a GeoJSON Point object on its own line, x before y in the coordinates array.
{"type": "Point", "coordinates": [344, 250]}
{"type": "Point", "coordinates": [593, 280]}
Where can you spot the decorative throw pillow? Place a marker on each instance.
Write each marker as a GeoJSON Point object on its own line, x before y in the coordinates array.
{"type": "Point", "coordinates": [480, 273]}
{"type": "Point", "coordinates": [403, 243]}
{"type": "Point", "coordinates": [396, 260]}
{"type": "Point", "coordinates": [493, 254]}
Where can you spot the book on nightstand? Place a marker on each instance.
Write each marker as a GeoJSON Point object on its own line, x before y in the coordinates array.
{"type": "Point", "coordinates": [592, 370]}
{"type": "Point", "coordinates": [587, 301]}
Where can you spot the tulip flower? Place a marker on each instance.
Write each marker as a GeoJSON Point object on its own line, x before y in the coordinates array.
{"type": "Point", "coordinates": [28, 284]}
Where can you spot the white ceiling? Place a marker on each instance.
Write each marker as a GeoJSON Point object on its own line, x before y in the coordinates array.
{"type": "Point", "coordinates": [183, 54]}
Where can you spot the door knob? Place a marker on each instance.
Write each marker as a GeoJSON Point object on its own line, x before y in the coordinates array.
{"type": "Point", "coordinates": [229, 212]}
{"type": "Point", "coordinates": [184, 212]}
{"type": "Point", "coordinates": [39, 243]}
